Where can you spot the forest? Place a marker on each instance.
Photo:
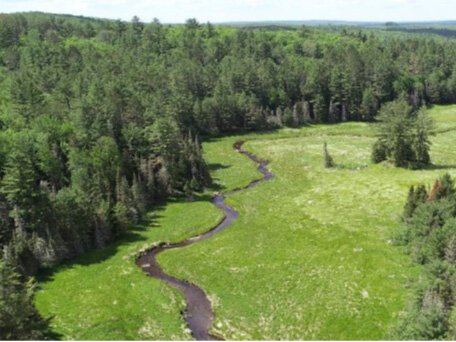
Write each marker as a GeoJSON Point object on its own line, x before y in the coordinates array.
{"type": "Point", "coordinates": [101, 121]}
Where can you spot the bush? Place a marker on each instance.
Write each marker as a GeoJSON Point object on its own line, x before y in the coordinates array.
{"type": "Point", "coordinates": [378, 152]}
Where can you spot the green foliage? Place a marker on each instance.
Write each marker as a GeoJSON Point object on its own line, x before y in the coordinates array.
{"type": "Point", "coordinates": [421, 143]}
{"type": "Point", "coordinates": [334, 237]}
{"type": "Point", "coordinates": [19, 319]}
{"type": "Point", "coordinates": [430, 238]}
{"type": "Point", "coordinates": [403, 136]}
{"type": "Point", "coordinates": [379, 152]}
{"type": "Point", "coordinates": [415, 198]}
{"type": "Point", "coordinates": [335, 225]}
{"type": "Point", "coordinates": [369, 105]}
{"type": "Point", "coordinates": [100, 120]}
{"type": "Point", "coordinates": [328, 161]}
{"type": "Point", "coordinates": [20, 181]}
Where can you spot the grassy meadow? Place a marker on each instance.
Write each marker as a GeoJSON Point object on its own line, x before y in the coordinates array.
{"type": "Point", "coordinates": [310, 257]}
{"type": "Point", "coordinates": [103, 295]}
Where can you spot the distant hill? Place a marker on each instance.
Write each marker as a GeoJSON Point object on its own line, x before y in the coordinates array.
{"type": "Point", "coordinates": [300, 23]}
{"type": "Point", "coordinates": [447, 24]}
{"type": "Point", "coordinates": [340, 23]}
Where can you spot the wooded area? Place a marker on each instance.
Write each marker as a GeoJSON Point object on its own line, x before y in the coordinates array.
{"type": "Point", "coordinates": [101, 119]}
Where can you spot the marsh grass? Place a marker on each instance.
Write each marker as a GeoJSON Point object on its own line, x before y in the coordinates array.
{"type": "Point", "coordinates": [103, 295]}
{"type": "Point", "coordinates": [309, 258]}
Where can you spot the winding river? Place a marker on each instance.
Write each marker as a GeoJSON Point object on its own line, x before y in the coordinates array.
{"type": "Point", "coordinates": [198, 313]}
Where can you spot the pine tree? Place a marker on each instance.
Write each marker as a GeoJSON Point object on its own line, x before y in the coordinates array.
{"type": "Point", "coordinates": [422, 143]}
{"type": "Point", "coordinates": [320, 110]}
{"type": "Point", "coordinates": [19, 320]}
{"type": "Point", "coordinates": [369, 104]}
{"type": "Point", "coordinates": [442, 188]}
{"type": "Point", "coordinates": [379, 152]}
{"type": "Point", "coordinates": [328, 160]}
{"type": "Point", "coordinates": [403, 136]}
{"type": "Point", "coordinates": [410, 204]}
{"type": "Point", "coordinates": [416, 196]}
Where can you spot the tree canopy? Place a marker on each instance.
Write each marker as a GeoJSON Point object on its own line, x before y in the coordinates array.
{"type": "Point", "coordinates": [403, 136]}
{"type": "Point", "coordinates": [100, 120]}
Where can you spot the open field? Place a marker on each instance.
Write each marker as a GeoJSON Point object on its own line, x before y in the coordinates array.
{"type": "Point", "coordinates": [309, 258]}
{"type": "Point", "coordinates": [103, 295]}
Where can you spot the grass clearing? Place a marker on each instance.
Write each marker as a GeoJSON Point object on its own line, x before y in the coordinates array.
{"type": "Point", "coordinates": [310, 256]}
{"type": "Point", "coordinates": [103, 295]}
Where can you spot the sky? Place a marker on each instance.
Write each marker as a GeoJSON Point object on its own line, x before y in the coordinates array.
{"type": "Point", "coordinates": [177, 11]}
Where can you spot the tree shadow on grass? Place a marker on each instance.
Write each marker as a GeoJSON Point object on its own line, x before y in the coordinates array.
{"type": "Point", "coordinates": [239, 134]}
{"type": "Point", "coordinates": [216, 186]}
{"type": "Point", "coordinates": [217, 166]}
{"type": "Point", "coordinates": [134, 234]}
{"type": "Point", "coordinates": [99, 255]}
{"type": "Point", "coordinates": [434, 167]}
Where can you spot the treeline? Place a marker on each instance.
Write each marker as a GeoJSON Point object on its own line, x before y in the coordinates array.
{"type": "Point", "coordinates": [83, 152]}
{"type": "Point", "coordinates": [101, 119]}
{"type": "Point", "coordinates": [430, 238]}
{"type": "Point", "coordinates": [444, 32]}
{"type": "Point", "coordinates": [84, 149]}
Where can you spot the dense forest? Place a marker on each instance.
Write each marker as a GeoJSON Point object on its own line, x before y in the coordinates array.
{"type": "Point", "coordinates": [101, 119]}
{"type": "Point", "coordinates": [430, 238]}
{"type": "Point", "coordinates": [445, 32]}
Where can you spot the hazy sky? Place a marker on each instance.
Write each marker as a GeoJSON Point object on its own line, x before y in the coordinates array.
{"type": "Point", "coordinates": [244, 10]}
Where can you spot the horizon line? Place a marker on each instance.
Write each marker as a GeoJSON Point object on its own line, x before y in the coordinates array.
{"type": "Point", "coordinates": [248, 21]}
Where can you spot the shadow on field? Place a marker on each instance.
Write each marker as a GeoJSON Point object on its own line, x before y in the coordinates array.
{"type": "Point", "coordinates": [134, 234]}
{"type": "Point", "coordinates": [222, 136]}
{"type": "Point", "coordinates": [217, 166]}
{"type": "Point", "coordinates": [216, 186]}
{"type": "Point", "coordinates": [438, 167]}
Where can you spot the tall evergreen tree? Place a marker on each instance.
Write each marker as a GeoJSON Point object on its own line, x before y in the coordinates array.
{"type": "Point", "coordinates": [328, 161]}
{"type": "Point", "coordinates": [19, 320]}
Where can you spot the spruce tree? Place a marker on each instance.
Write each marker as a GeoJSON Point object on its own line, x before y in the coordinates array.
{"type": "Point", "coordinates": [416, 197]}
{"type": "Point", "coordinates": [369, 104]}
{"type": "Point", "coordinates": [379, 152]}
{"type": "Point", "coordinates": [410, 205]}
{"type": "Point", "coordinates": [19, 320]}
{"type": "Point", "coordinates": [328, 160]}
{"type": "Point", "coordinates": [422, 143]}
{"type": "Point", "coordinates": [442, 188]}
{"type": "Point", "coordinates": [403, 136]}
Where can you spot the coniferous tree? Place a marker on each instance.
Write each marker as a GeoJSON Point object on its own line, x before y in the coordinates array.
{"type": "Point", "coordinates": [403, 136]}
{"type": "Point", "coordinates": [423, 126]}
{"type": "Point", "coordinates": [19, 320]}
{"type": "Point", "coordinates": [416, 196]}
{"type": "Point", "coordinates": [95, 116]}
{"type": "Point", "coordinates": [369, 104]}
{"type": "Point", "coordinates": [328, 161]}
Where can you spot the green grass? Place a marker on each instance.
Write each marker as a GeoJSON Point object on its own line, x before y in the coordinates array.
{"type": "Point", "coordinates": [103, 295]}
{"type": "Point", "coordinates": [309, 258]}
{"type": "Point", "coordinates": [444, 117]}
{"type": "Point", "coordinates": [311, 255]}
